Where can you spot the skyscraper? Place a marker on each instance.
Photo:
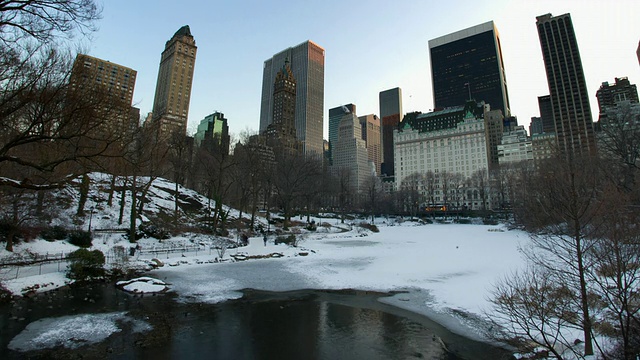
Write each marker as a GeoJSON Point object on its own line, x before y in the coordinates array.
{"type": "Point", "coordinates": [307, 64]}
{"type": "Point", "coordinates": [213, 134]}
{"type": "Point", "coordinates": [350, 158]}
{"type": "Point", "coordinates": [546, 114]}
{"type": "Point", "coordinates": [567, 86]}
{"type": "Point", "coordinates": [370, 128]}
{"type": "Point", "coordinates": [281, 132]}
{"type": "Point", "coordinates": [335, 116]}
{"type": "Point", "coordinates": [390, 116]}
{"type": "Point", "coordinates": [175, 76]}
{"type": "Point", "coordinates": [466, 65]}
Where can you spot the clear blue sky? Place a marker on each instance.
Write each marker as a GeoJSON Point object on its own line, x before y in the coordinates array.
{"type": "Point", "coordinates": [370, 46]}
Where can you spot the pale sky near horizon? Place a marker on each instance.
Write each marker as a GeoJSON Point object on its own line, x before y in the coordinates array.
{"type": "Point", "coordinates": [370, 46]}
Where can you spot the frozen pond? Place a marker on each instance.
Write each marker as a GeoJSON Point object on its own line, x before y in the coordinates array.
{"type": "Point", "coordinates": [102, 322]}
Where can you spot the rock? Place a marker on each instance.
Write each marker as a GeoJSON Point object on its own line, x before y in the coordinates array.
{"type": "Point", "coordinates": [157, 262]}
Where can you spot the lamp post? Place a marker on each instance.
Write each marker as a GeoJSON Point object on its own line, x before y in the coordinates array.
{"type": "Point", "coordinates": [90, 218]}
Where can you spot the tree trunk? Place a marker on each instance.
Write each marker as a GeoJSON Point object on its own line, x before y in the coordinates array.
{"type": "Point", "coordinates": [143, 196]}
{"type": "Point", "coordinates": [586, 320]}
{"type": "Point", "coordinates": [175, 210]}
{"type": "Point", "coordinates": [123, 201]}
{"type": "Point", "coordinates": [10, 236]}
{"type": "Point", "coordinates": [112, 186]}
{"type": "Point", "coordinates": [134, 215]}
{"type": "Point", "coordinates": [84, 193]}
{"type": "Point", "coordinates": [39, 203]}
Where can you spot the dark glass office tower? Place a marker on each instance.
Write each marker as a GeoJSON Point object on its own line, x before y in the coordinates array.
{"type": "Point", "coordinates": [546, 114]}
{"type": "Point", "coordinates": [567, 86]}
{"type": "Point", "coordinates": [390, 116]}
{"type": "Point", "coordinates": [468, 65]}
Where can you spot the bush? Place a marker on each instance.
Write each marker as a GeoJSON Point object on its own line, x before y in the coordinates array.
{"type": "Point", "coordinates": [462, 221]}
{"type": "Point", "coordinates": [368, 226]}
{"type": "Point", "coordinates": [150, 230]}
{"type": "Point", "coordinates": [490, 221]}
{"type": "Point", "coordinates": [55, 233]}
{"type": "Point", "coordinates": [288, 240]}
{"type": "Point", "coordinates": [80, 238]}
{"type": "Point", "coordinates": [8, 228]}
{"type": "Point", "coordinates": [85, 265]}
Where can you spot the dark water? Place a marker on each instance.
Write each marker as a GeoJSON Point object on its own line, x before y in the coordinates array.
{"type": "Point", "coordinates": [295, 325]}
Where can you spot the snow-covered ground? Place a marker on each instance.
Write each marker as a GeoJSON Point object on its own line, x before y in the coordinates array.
{"type": "Point", "coordinates": [444, 271]}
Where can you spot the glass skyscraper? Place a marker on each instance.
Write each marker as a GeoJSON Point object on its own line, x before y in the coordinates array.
{"type": "Point", "coordinates": [466, 65]}
{"type": "Point", "coordinates": [307, 63]}
{"type": "Point", "coordinates": [390, 116]}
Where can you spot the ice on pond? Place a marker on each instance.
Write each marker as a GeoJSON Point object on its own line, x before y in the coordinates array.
{"type": "Point", "coordinates": [73, 331]}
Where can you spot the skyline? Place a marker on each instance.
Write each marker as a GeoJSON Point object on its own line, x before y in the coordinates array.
{"type": "Point", "coordinates": [368, 49]}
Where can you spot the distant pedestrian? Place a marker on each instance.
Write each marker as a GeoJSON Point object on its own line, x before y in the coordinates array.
{"type": "Point", "coordinates": [265, 240]}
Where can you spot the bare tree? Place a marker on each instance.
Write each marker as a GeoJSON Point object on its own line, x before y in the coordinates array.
{"type": "Point", "coordinates": [619, 141]}
{"type": "Point", "coordinates": [531, 309]}
{"type": "Point", "coordinates": [373, 195]}
{"type": "Point", "coordinates": [45, 20]}
{"type": "Point", "coordinates": [345, 192]}
{"type": "Point", "coordinates": [45, 125]}
{"type": "Point", "coordinates": [616, 273]}
{"type": "Point", "coordinates": [290, 179]}
{"type": "Point", "coordinates": [252, 173]}
{"type": "Point", "coordinates": [563, 217]}
{"type": "Point", "coordinates": [479, 182]}
{"type": "Point", "coordinates": [456, 184]}
{"type": "Point", "coordinates": [410, 193]}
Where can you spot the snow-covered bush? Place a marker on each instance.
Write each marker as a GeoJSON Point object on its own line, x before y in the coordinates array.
{"type": "Point", "coordinates": [290, 240]}
{"type": "Point", "coordinates": [151, 230]}
{"type": "Point", "coordinates": [370, 227]}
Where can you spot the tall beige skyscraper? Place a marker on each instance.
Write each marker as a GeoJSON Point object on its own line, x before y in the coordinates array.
{"type": "Point", "coordinates": [175, 76]}
{"type": "Point", "coordinates": [370, 128]}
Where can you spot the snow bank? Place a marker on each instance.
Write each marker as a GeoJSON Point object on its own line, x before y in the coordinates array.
{"type": "Point", "coordinates": [72, 331]}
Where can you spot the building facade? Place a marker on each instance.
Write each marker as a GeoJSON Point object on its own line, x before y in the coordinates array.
{"type": "Point", "coordinates": [535, 126]}
{"type": "Point", "coordinates": [468, 65]}
{"type": "Point", "coordinates": [281, 133]}
{"type": "Point", "coordinates": [546, 114]}
{"type": "Point", "coordinates": [457, 148]}
{"type": "Point", "coordinates": [173, 87]}
{"type": "Point", "coordinates": [567, 87]}
{"type": "Point", "coordinates": [213, 134]}
{"type": "Point", "coordinates": [370, 127]}
{"type": "Point", "coordinates": [494, 124]}
{"type": "Point", "coordinates": [350, 157]}
{"type": "Point", "coordinates": [390, 116]}
{"type": "Point", "coordinates": [335, 117]}
{"type": "Point", "coordinates": [307, 65]}
{"type": "Point", "coordinates": [110, 87]}
{"type": "Point", "coordinates": [612, 94]}
{"type": "Point", "coordinates": [515, 146]}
